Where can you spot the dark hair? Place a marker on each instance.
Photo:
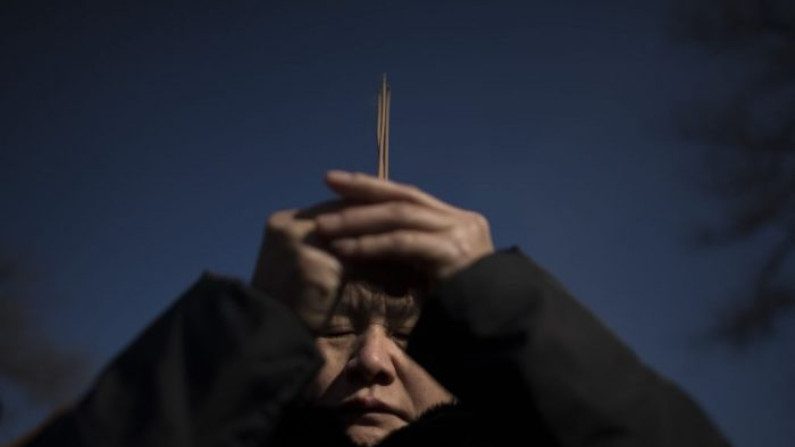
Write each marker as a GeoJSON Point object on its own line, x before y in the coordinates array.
{"type": "Point", "coordinates": [387, 278]}
{"type": "Point", "coordinates": [393, 288]}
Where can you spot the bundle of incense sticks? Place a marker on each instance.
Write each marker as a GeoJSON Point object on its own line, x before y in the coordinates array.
{"type": "Point", "coordinates": [382, 129]}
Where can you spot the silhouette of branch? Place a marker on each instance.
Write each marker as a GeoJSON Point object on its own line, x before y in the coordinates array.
{"type": "Point", "coordinates": [724, 23]}
{"type": "Point", "coordinates": [752, 165]}
{"type": "Point", "coordinates": [746, 322]}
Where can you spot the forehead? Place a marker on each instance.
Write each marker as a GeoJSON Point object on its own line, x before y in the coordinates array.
{"type": "Point", "coordinates": [364, 302]}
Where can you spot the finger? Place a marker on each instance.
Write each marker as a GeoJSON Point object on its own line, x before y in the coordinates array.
{"type": "Point", "coordinates": [299, 224]}
{"type": "Point", "coordinates": [319, 208]}
{"type": "Point", "coordinates": [362, 187]}
{"type": "Point", "coordinates": [381, 218]}
{"type": "Point", "coordinates": [289, 224]}
{"type": "Point", "coordinates": [396, 244]}
{"type": "Point", "coordinates": [319, 264]}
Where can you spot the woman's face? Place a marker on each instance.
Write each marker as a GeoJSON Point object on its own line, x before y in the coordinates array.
{"type": "Point", "coordinates": [367, 378]}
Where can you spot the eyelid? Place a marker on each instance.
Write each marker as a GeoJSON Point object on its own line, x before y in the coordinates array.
{"type": "Point", "coordinates": [401, 330]}
{"type": "Point", "coordinates": [400, 336]}
{"type": "Point", "coordinates": [337, 331]}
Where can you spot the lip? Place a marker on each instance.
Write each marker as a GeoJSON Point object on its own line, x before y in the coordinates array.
{"type": "Point", "coordinates": [367, 404]}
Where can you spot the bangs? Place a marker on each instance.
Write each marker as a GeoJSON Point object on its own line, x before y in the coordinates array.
{"type": "Point", "coordinates": [383, 289]}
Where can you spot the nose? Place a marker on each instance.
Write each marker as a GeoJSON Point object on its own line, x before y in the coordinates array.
{"type": "Point", "coordinates": [371, 362]}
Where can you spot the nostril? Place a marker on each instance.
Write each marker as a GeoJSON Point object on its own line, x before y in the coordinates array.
{"type": "Point", "coordinates": [367, 376]}
{"type": "Point", "coordinates": [371, 362]}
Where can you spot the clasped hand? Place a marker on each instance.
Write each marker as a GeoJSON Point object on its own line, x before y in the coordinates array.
{"type": "Point", "coordinates": [305, 252]}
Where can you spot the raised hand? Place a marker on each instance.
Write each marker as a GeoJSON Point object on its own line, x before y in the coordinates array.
{"type": "Point", "coordinates": [294, 267]}
{"type": "Point", "coordinates": [384, 220]}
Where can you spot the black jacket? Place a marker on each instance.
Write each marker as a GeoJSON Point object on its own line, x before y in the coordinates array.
{"type": "Point", "coordinates": [530, 366]}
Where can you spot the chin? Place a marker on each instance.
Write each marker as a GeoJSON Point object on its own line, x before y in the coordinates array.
{"type": "Point", "coordinates": [370, 428]}
{"type": "Point", "coordinates": [369, 434]}
{"type": "Point", "coordinates": [366, 436]}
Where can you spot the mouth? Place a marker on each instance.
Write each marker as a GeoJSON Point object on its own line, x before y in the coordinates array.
{"type": "Point", "coordinates": [369, 409]}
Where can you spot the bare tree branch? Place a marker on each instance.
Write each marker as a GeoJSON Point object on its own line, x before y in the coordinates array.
{"type": "Point", "coordinates": [752, 165]}
{"type": "Point", "coordinates": [754, 318]}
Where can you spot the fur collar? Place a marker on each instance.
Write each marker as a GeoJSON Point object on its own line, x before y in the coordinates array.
{"type": "Point", "coordinates": [449, 424]}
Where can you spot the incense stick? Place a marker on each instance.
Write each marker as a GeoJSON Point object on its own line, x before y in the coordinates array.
{"type": "Point", "coordinates": [382, 129]}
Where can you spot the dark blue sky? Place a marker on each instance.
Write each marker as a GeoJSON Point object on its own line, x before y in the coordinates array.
{"type": "Point", "coordinates": [145, 142]}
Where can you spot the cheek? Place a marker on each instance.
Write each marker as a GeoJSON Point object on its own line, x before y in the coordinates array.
{"type": "Point", "coordinates": [421, 388]}
{"type": "Point", "coordinates": [335, 357]}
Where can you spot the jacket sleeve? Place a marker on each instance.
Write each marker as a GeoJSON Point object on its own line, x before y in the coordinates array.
{"type": "Point", "coordinates": [509, 341]}
{"type": "Point", "coordinates": [215, 370]}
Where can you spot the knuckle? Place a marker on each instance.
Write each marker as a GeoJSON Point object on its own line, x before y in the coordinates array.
{"type": "Point", "coordinates": [459, 250]}
{"type": "Point", "coordinates": [461, 240]}
{"type": "Point", "coordinates": [459, 235]}
{"type": "Point", "coordinates": [478, 220]}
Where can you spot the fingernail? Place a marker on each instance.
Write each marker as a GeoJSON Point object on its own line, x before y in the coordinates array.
{"type": "Point", "coordinates": [338, 175]}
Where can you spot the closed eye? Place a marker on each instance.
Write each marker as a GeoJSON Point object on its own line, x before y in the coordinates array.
{"type": "Point", "coordinates": [338, 334]}
{"type": "Point", "coordinates": [401, 338]}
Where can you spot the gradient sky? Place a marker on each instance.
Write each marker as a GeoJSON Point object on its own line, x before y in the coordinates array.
{"type": "Point", "coordinates": [145, 142]}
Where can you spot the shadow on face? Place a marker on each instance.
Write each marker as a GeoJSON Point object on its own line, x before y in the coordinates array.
{"type": "Point", "coordinates": [368, 380]}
